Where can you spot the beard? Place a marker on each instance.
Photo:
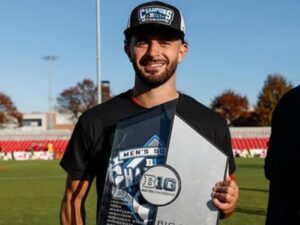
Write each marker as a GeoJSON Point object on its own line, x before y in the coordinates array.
{"type": "Point", "coordinates": [153, 80]}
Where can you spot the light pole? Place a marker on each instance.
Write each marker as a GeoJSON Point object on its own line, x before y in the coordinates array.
{"type": "Point", "coordinates": [49, 59]}
{"type": "Point", "coordinates": [99, 78]}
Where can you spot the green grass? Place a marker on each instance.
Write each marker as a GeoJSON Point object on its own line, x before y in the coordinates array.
{"type": "Point", "coordinates": [31, 191]}
{"type": "Point", "coordinates": [251, 209]}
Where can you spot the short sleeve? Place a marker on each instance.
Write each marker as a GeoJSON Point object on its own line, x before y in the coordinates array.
{"type": "Point", "coordinates": [224, 143]}
{"type": "Point", "coordinates": [76, 157]}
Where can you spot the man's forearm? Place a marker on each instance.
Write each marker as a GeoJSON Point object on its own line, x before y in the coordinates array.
{"type": "Point", "coordinates": [72, 213]}
{"type": "Point", "coordinates": [72, 206]}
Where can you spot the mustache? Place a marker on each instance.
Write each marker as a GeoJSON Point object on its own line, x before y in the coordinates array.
{"type": "Point", "coordinates": [147, 60]}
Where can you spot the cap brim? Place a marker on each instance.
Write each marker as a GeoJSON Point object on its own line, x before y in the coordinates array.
{"type": "Point", "coordinates": [153, 29]}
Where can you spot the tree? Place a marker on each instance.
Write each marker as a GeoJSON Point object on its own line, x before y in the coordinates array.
{"type": "Point", "coordinates": [274, 87]}
{"type": "Point", "coordinates": [81, 97]}
{"type": "Point", "coordinates": [234, 107]}
{"type": "Point", "coordinates": [9, 113]}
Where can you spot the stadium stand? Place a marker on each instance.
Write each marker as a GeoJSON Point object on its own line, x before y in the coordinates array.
{"type": "Point", "coordinates": [33, 145]}
{"type": "Point", "coordinates": [246, 142]}
{"type": "Point", "coordinates": [20, 144]}
{"type": "Point", "coordinates": [250, 141]}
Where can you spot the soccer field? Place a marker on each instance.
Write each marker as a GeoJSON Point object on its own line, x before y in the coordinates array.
{"type": "Point", "coordinates": [31, 191]}
{"type": "Point", "coordinates": [254, 192]}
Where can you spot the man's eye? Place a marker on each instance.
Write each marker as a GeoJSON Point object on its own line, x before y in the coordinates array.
{"type": "Point", "coordinates": [164, 42]}
{"type": "Point", "coordinates": [140, 43]}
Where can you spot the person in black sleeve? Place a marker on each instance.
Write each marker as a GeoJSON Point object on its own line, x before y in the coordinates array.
{"type": "Point", "coordinates": [282, 162]}
{"type": "Point", "coordinates": [155, 45]}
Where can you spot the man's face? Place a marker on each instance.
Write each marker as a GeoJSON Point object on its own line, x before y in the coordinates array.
{"type": "Point", "coordinates": [155, 57]}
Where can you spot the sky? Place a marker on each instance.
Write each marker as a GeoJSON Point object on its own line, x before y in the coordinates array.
{"type": "Point", "coordinates": [233, 44]}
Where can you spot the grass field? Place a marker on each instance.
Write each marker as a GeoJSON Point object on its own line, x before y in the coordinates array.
{"type": "Point", "coordinates": [31, 191]}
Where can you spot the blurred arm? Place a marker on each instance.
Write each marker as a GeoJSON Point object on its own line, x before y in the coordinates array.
{"type": "Point", "coordinates": [72, 206]}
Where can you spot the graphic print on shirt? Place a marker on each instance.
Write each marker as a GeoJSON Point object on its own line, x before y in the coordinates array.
{"type": "Point", "coordinates": [125, 171]}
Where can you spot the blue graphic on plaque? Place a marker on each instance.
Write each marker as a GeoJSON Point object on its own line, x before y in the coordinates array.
{"type": "Point", "coordinates": [140, 143]}
{"type": "Point", "coordinates": [126, 170]}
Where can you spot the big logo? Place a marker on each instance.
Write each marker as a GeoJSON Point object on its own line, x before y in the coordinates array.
{"type": "Point", "coordinates": [160, 185]}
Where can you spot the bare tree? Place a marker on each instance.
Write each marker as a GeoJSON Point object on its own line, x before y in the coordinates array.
{"type": "Point", "coordinates": [81, 97]}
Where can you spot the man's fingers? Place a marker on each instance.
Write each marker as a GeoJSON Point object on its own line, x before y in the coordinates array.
{"type": "Point", "coordinates": [223, 196]}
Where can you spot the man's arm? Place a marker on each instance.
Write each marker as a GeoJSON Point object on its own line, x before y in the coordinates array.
{"type": "Point", "coordinates": [72, 206]}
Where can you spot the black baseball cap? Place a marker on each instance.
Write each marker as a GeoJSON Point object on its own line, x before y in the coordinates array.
{"type": "Point", "coordinates": [155, 16]}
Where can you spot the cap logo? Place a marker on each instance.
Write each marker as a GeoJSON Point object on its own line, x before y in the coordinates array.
{"type": "Point", "coordinates": [156, 14]}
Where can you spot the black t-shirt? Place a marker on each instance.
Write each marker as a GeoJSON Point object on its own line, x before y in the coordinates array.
{"type": "Point", "coordinates": [282, 162]}
{"type": "Point", "coordinates": [89, 148]}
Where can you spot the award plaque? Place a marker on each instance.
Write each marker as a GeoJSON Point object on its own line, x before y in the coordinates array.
{"type": "Point", "coordinates": [161, 172]}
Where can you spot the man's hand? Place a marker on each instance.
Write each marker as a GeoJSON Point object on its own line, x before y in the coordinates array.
{"type": "Point", "coordinates": [225, 195]}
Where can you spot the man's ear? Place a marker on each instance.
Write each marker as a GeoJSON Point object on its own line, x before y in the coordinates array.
{"type": "Point", "coordinates": [127, 51]}
{"type": "Point", "coordinates": [183, 50]}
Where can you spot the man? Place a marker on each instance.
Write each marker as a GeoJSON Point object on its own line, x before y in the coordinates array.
{"type": "Point", "coordinates": [282, 162]}
{"type": "Point", "coordinates": [155, 45]}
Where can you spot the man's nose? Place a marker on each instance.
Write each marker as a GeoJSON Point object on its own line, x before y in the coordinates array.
{"type": "Point", "coordinates": [153, 48]}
